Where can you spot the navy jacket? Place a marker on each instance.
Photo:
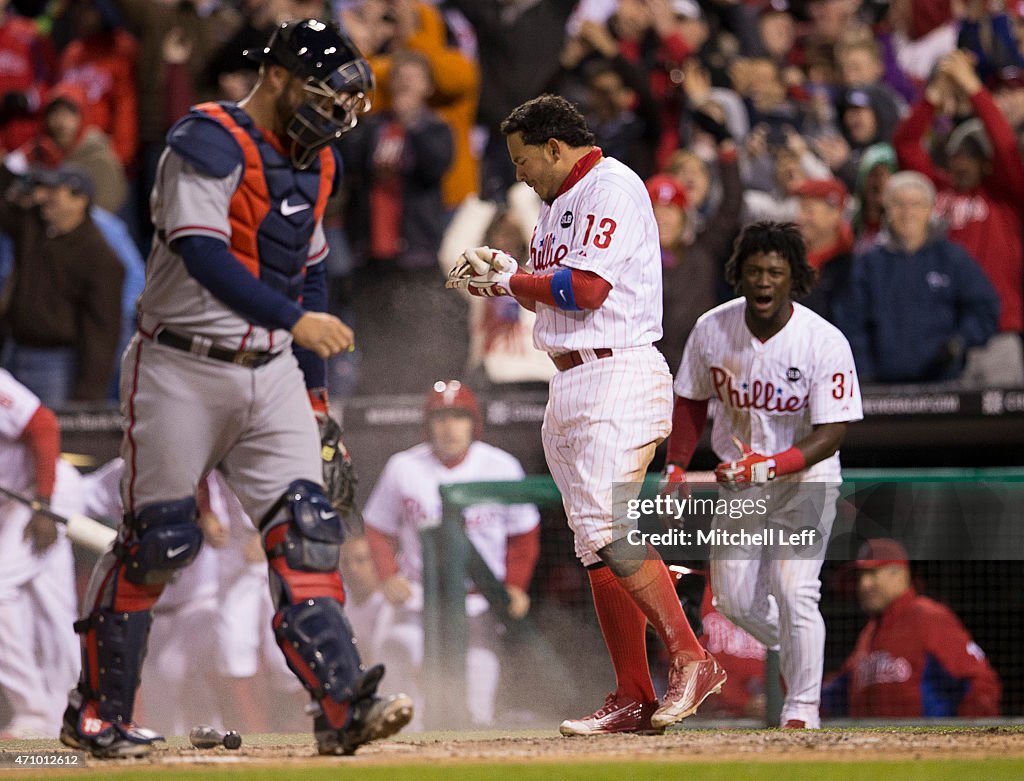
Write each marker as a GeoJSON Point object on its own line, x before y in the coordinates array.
{"type": "Point", "coordinates": [902, 312]}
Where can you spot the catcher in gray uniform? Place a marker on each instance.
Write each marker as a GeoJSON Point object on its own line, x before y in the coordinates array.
{"type": "Point", "coordinates": [232, 334]}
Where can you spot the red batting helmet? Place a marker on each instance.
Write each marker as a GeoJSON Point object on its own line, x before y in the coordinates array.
{"type": "Point", "coordinates": [453, 395]}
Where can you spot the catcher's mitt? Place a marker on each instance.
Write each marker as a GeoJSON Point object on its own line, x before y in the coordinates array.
{"type": "Point", "coordinates": [339, 474]}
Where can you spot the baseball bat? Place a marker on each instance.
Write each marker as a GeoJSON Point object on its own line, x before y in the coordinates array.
{"type": "Point", "coordinates": [82, 530]}
{"type": "Point", "coordinates": [205, 736]}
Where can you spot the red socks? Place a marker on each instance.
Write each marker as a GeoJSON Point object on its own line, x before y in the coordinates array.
{"type": "Point", "coordinates": [623, 625]}
{"type": "Point", "coordinates": [651, 588]}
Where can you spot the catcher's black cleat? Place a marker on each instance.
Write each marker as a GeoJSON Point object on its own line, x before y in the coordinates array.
{"type": "Point", "coordinates": [370, 718]}
{"type": "Point", "coordinates": [84, 729]}
{"type": "Point", "coordinates": [373, 718]}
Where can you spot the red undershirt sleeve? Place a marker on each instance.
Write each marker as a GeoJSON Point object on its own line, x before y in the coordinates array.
{"type": "Point", "coordinates": [383, 548]}
{"type": "Point", "coordinates": [589, 289]}
{"type": "Point", "coordinates": [688, 419]}
{"type": "Point", "coordinates": [521, 557]}
{"type": "Point", "coordinates": [42, 435]}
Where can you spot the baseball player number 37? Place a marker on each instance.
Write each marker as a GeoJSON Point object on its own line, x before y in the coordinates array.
{"type": "Point", "coordinates": [784, 386]}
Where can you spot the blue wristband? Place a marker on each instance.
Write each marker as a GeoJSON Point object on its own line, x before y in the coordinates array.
{"type": "Point", "coordinates": [561, 290]}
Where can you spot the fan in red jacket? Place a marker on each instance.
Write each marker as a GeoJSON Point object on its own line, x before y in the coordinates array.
{"type": "Point", "coordinates": [914, 658]}
{"type": "Point", "coordinates": [979, 195]}
{"type": "Point", "coordinates": [103, 59]}
{"type": "Point", "coordinates": [27, 67]}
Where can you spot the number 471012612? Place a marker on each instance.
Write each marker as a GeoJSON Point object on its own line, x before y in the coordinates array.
{"type": "Point", "coordinates": [15, 759]}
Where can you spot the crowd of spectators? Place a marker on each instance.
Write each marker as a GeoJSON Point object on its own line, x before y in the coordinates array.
{"type": "Point", "coordinates": [732, 110]}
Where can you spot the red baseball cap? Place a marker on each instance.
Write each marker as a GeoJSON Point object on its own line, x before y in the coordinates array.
{"type": "Point", "coordinates": [665, 189]}
{"type": "Point", "coordinates": [832, 191]}
{"type": "Point", "coordinates": [879, 552]}
{"type": "Point", "coordinates": [453, 395]}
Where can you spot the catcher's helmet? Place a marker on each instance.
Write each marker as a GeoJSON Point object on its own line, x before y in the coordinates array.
{"type": "Point", "coordinates": [453, 395]}
{"type": "Point", "coordinates": [333, 68]}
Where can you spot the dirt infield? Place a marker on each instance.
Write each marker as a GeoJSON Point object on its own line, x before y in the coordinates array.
{"type": "Point", "coordinates": [701, 745]}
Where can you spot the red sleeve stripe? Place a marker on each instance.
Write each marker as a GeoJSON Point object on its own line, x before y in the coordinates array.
{"type": "Point", "coordinates": [320, 254]}
{"type": "Point", "coordinates": [197, 229]}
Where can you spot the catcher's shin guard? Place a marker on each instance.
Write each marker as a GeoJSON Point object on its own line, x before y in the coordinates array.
{"type": "Point", "coordinates": [302, 535]}
{"type": "Point", "coordinates": [317, 643]}
{"type": "Point", "coordinates": [161, 539]}
{"type": "Point", "coordinates": [113, 647]}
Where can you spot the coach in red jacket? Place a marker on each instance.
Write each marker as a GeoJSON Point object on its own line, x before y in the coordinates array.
{"type": "Point", "coordinates": [914, 658]}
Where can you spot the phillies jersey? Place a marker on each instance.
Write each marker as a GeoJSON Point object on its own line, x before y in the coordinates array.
{"type": "Point", "coordinates": [914, 660]}
{"type": "Point", "coordinates": [17, 406]}
{"type": "Point", "coordinates": [770, 394]}
{"type": "Point", "coordinates": [407, 499]}
{"type": "Point", "coordinates": [604, 223]}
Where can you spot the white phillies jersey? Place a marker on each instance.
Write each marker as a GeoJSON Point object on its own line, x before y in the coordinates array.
{"type": "Point", "coordinates": [770, 394]}
{"type": "Point", "coordinates": [407, 498]}
{"type": "Point", "coordinates": [185, 202]}
{"type": "Point", "coordinates": [603, 223]}
{"type": "Point", "coordinates": [17, 406]}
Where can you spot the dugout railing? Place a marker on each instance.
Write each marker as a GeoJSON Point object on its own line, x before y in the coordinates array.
{"type": "Point", "coordinates": [960, 520]}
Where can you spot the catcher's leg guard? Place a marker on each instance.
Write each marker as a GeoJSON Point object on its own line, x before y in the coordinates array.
{"type": "Point", "coordinates": [161, 539]}
{"type": "Point", "coordinates": [302, 534]}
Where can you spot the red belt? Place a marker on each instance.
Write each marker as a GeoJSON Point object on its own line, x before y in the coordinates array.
{"type": "Point", "coordinates": [579, 357]}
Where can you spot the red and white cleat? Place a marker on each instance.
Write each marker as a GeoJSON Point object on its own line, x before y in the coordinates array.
{"type": "Point", "coordinates": [616, 715]}
{"type": "Point", "coordinates": [689, 684]}
{"type": "Point", "coordinates": [84, 729]}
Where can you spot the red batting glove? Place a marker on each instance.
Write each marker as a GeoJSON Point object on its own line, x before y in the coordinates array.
{"type": "Point", "coordinates": [673, 481]}
{"type": "Point", "coordinates": [756, 469]}
{"type": "Point", "coordinates": [752, 468]}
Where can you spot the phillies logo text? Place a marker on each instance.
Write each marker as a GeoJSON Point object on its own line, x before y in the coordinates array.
{"type": "Point", "coordinates": [755, 394]}
{"type": "Point", "coordinates": [548, 255]}
{"type": "Point", "coordinates": [881, 667]}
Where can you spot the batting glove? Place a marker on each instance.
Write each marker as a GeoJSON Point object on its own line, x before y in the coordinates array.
{"type": "Point", "coordinates": [477, 261]}
{"type": "Point", "coordinates": [488, 284]}
{"type": "Point", "coordinates": [673, 484]}
{"type": "Point", "coordinates": [482, 271]}
{"type": "Point", "coordinates": [673, 481]}
{"type": "Point", "coordinates": [752, 468]}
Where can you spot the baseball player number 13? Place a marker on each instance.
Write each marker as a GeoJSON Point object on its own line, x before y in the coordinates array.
{"type": "Point", "coordinates": [605, 229]}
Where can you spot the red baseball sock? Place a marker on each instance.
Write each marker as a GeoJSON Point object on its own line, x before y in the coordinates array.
{"type": "Point", "coordinates": [652, 590]}
{"type": "Point", "coordinates": [623, 625]}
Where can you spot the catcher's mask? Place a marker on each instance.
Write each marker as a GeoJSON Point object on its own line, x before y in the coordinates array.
{"type": "Point", "coordinates": [339, 83]}
{"type": "Point", "coordinates": [453, 395]}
